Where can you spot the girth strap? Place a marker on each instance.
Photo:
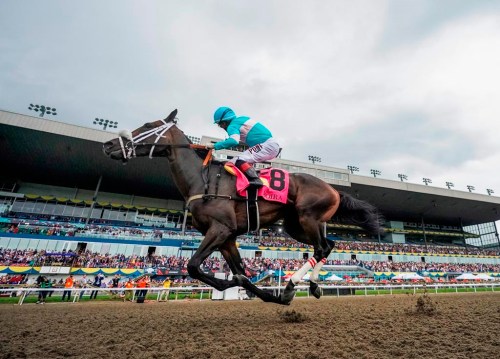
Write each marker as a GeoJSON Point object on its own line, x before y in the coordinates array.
{"type": "Point", "coordinates": [253, 218]}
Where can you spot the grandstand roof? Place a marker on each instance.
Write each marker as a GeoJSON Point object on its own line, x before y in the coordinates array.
{"type": "Point", "coordinates": [44, 151]}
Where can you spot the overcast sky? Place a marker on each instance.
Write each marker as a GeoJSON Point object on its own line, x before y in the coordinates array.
{"type": "Point", "coordinates": [409, 87]}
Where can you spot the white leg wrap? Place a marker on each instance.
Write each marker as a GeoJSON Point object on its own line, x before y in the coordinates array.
{"type": "Point", "coordinates": [297, 276]}
{"type": "Point", "coordinates": [316, 270]}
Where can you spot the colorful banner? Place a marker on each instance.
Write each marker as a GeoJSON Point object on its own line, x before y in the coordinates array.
{"type": "Point", "coordinates": [74, 271]}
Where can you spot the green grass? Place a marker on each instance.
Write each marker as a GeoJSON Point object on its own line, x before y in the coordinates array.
{"type": "Point", "coordinates": [56, 297]}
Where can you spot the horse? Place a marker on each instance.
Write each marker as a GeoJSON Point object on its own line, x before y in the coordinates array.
{"type": "Point", "coordinates": [221, 215]}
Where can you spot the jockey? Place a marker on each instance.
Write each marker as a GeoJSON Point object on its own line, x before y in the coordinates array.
{"type": "Point", "coordinates": [263, 147]}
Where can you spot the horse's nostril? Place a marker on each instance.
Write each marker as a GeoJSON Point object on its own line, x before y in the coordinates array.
{"type": "Point", "coordinates": [107, 145]}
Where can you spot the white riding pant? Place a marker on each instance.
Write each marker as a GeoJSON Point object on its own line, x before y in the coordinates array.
{"type": "Point", "coordinates": [259, 153]}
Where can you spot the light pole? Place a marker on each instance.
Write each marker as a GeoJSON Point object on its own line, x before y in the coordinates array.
{"type": "Point", "coordinates": [353, 169]}
{"type": "Point", "coordinates": [471, 188]}
{"type": "Point", "coordinates": [402, 177]}
{"type": "Point", "coordinates": [449, 185]}
{"type": "Point", "coordinates": [314, 159]}
{"type": "Point", "coordinates": [375, 173]}
{"type": "Point", "coordinates": [489, 191]}
{"type": "Point", "coordinates": [43, 110]}
{"type": "Point", "coordinates": [426, 181]}
{"type": "Point", "coordinates": [105, 123]}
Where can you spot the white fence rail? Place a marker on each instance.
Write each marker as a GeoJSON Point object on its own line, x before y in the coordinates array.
{"type": "Point", "coordinates": [335, 290]}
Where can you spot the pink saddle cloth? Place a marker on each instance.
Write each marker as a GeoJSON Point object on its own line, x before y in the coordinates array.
{"type": "Point", "coordinates": [275, 181]}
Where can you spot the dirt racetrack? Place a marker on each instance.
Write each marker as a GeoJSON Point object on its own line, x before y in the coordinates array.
{"type": "Point", "coordinates": [465, 326]}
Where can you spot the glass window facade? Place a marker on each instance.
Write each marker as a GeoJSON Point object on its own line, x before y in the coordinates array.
{"type": "Point", "coordinates": [488, 235]}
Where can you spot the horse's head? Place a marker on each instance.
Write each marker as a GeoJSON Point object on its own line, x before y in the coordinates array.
{"type": "Point", "coordinates": [141, 142]}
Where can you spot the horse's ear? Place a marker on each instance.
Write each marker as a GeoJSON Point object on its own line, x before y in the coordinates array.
{"type": "Point", "coordinates": [171, 117]}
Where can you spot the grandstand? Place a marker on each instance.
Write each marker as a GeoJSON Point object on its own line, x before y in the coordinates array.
{"type": "Point", "coordinates": [63, 204]}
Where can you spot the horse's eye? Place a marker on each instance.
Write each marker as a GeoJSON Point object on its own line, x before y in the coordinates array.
{"type": "Point", "coordinates": [149, 125]}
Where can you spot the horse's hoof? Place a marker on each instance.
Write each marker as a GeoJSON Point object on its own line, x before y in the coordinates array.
{"type": "Point", "coordinates": [317, 293]}
{"type": "Point", "coordinates": [315, 290]}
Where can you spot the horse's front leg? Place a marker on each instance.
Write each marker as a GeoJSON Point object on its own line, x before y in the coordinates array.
{"type": "Point", "coordinates": [214, 238]}
{"type": "Point", "coordinates": [232, 256]}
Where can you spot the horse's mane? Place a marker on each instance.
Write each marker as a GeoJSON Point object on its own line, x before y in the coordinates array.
{"type": "Point", "coordinates": [201, 152]}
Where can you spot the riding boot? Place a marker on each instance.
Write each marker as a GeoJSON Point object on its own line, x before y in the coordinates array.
{"type": "Point", "coordinates": [249, 171]}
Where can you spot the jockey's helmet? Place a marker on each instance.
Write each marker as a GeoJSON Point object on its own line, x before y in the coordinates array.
{"type": "Point", "coordinates": [224, 114]}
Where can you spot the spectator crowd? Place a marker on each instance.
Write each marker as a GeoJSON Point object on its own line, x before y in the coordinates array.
{"type": "Point", "coordinates": [193, 238]}
{"type": "Point", "coordinates": [255, 266]}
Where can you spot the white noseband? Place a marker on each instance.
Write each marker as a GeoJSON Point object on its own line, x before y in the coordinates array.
{"type": "Point", "coordinates": [128, 149]}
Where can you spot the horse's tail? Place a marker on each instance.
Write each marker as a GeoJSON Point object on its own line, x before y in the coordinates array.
{"type": "Point", "coordinates": [360, 213]}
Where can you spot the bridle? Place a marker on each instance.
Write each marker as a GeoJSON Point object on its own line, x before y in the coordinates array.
{"type": "Point", "coordinates": [128, 151]}
{"type": "Point", "coordinates": [128, 148]}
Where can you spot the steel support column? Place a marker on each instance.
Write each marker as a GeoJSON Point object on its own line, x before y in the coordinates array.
{"type": "Point", "coordinates": [94, 199]}
{"type": "Point", "coordinates": [463, 236]}
{"type": "Point", "coordinates": [423, 231]}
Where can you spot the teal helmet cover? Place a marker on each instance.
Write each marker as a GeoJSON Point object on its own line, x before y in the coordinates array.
{"type": "Point", "coordinates": [224, 114]}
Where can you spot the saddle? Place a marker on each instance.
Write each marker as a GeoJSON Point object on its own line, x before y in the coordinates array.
{"type": "Point", "coordinates": [275, 189]}
{"type": "Point", "coordinates": [275, 180]}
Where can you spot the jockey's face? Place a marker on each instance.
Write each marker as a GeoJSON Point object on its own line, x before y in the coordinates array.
{"type": "Point", "coordinates": [223, 124]}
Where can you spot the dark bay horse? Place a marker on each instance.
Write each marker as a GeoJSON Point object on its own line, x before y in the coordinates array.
{"type": "Point", "coordinates": [221, 218]}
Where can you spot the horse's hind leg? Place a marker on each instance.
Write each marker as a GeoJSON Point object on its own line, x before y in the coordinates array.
{"type": "Point", "coordinates": [313, 231]}
{"type": "Point", "coordinates": [321, 254]}
{"type": "Point", "coordinates": [314, 288]}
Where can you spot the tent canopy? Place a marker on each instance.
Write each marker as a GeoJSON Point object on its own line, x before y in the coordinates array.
{"type": "Point", "coordinates": [333, 278]}
{"type": "Point", "coordinates": [484, 276]}
{"type": "Point", "coordinates": [466, 276]}
{"type": "Point", "coordinates": [407, 276]}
